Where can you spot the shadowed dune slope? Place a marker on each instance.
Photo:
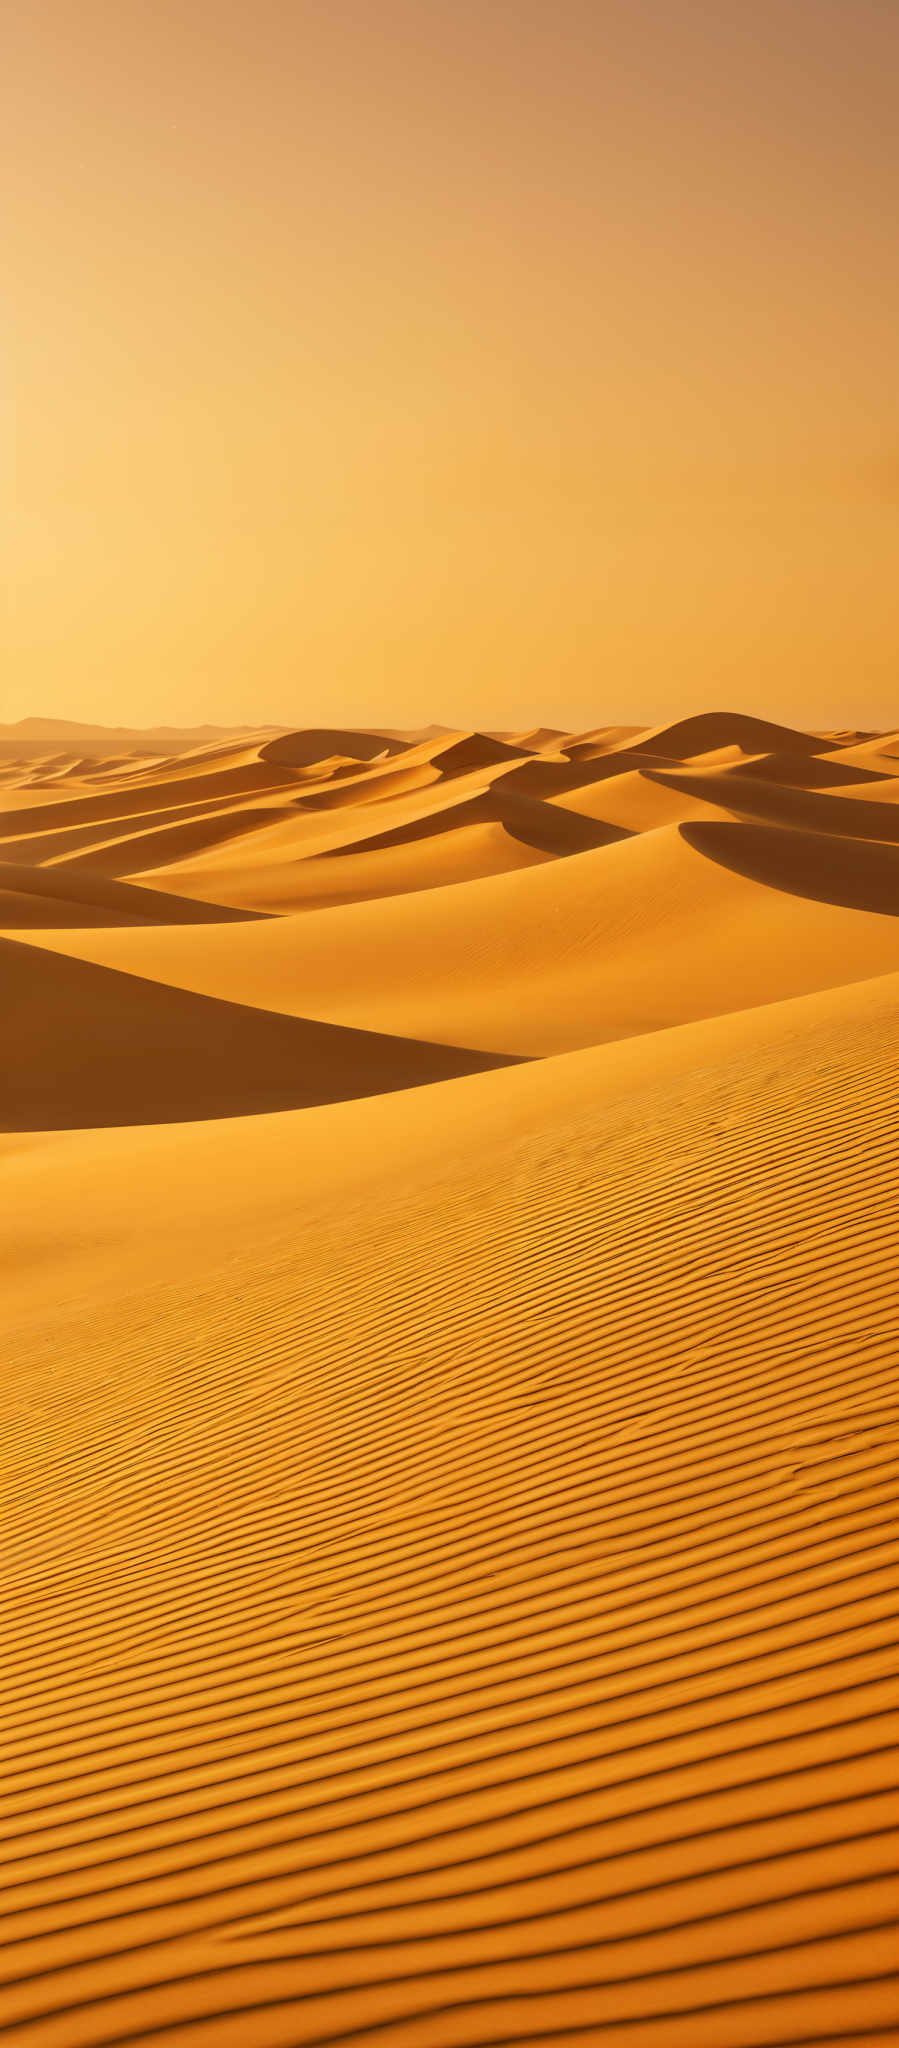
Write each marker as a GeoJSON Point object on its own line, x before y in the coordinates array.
{"type": "Point", "coordinates": [60, 896]}
{"type": "Point", "coordinates": [450, 1559]}
{"type": "Point", "coordinates": [847, 872]}
{"type": "Point", "coordinates": [97, 807]}
{"type": "Point", "coordinates": [82, 1044]}
{"type": "Point", "coordinates": [632, 937]}
{"type": "Point", "coordinates": [807, 810]}
{"type": "Point", "coordinates": [301, 749]}
{"type": "Point", "coordinates": [812, 771]}
{"type": "Point", "coordinates": [140, 852]}
{"type": "Point", "coordinates": [121, 838]}
{"type": "Point", "coordinates": [713, 730]}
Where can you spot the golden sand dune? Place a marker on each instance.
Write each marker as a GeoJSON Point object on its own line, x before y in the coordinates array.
{"type": "Point", "coordinates": [633, 937]}
{"type": "Point", "coordinates": [59, 896]}
{"type": "Point", "coordinates": [638, 801]}
{"type": "Point", "coordinates": [463, 835]}
{"type": "Point", "coordinates": [450, 1477]}
{"type": "Point", "coordinates": [456, 854]}
{"type": "Point", "coordinates": [807, 810]}
{"type": "Point", "coordinates": [307, 749]}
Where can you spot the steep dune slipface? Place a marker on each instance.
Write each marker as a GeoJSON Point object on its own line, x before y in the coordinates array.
{"type": "Point", "coordinates": [83, 1044]}
{"type": "Point", "coordinates": [449, 1497]}
{"type": "Point", "coordinates": [59, 896]}
{"type": "Point", "coordinates": [804, 810]}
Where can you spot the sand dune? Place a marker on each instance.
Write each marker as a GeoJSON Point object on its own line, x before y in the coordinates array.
{"type": "Point", "coordinates": [270, 874]}
{"type": "Point", "coordinates": [93, 898]}
{"type": "Point", "coordinates": [305, 749]}
{"type": "Point", "coordinates": [637, 936]}
{"type": "Point", "coordinates": [720, 731]}
{"type": "Point", "coordinates": [449, 1423]}
{"type": "Point", "coordinates": [637, 802]}
{"type": "Point", "coordinates": [806, 810]}
{"type": "Point", "coordinates": [458, 854]}
{"type": "Point", "coordinates": [82, 1044]}
{"type": "Point", "coordinates": [811, 771]}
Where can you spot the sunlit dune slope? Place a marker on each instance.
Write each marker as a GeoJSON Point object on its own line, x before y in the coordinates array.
{"type": "Point", "coordinates": [639, 802]}
{"type": "Point", "coordinates": [450, 1562]}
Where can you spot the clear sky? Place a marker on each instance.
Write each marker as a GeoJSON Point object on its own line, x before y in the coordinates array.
{"type": "Point", "coordinates": [488, 361]}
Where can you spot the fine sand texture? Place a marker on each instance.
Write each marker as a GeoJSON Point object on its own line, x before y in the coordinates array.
{"type": "Point", "coordinates": [450, 1412]}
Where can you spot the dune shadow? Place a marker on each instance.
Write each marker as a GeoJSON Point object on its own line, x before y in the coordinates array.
{"type": "Point", "coordinates": [475, 810]}
{"type": "Point", "coordinates": [539, 778]}
{"type": "Point", "coordinates": [852, 874]}
{"type": "Point", "coordinates": [88, 1045]}
{"type": "Point", "coordinates": [550, 828]}
{"type": "Point", "coordinates": [809, 771]}
{"type": "Point", "coordinates": [804, 810]}
{"type": "Point", "coordinates": [252, 779]}
{"type": "Point", "coordinates": [309, 746]}
{"type": "Point", "coordinates": [138, 851]}
{"type": "Point", "coordinates": [85, 899]}
{"type": "Point", "coordinates": [69, 843]}
{"type": "Point", "coordinates": [554, 831]}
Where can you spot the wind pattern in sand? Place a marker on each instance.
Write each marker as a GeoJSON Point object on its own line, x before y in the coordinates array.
{"type": "Point", "coordinates": [450, 1414]}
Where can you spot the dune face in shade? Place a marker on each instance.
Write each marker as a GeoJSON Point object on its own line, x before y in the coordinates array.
{"type": "Point", "coordinates": [448, 1433]}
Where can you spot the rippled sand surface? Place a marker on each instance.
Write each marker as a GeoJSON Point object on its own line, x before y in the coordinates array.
{"type": "Point", "coordinates": [449, 1424]}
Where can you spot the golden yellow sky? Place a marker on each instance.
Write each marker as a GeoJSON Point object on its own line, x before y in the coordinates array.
{"type": "Point", "coordinates": [488, 361]}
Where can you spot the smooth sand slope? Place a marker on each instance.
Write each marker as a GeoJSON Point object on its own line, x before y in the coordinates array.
{"type": "Point", "coordinates": [451, 1591]}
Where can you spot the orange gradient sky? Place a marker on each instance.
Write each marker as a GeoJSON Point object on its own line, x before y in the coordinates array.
{"type": "Point", "coordinates": [482, 362]}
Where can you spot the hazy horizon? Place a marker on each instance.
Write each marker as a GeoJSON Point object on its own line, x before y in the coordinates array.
{"type": "Point", "coordinates": [36, 721]}
{"type": "Point", "coordinates": [441, 362]}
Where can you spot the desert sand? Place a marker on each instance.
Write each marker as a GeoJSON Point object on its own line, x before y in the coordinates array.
{"type": "Point", "coordinates": [449, 1421]}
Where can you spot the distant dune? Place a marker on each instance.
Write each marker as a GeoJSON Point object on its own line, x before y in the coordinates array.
{"type": "Point", "coordinates": [449, 1420]}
